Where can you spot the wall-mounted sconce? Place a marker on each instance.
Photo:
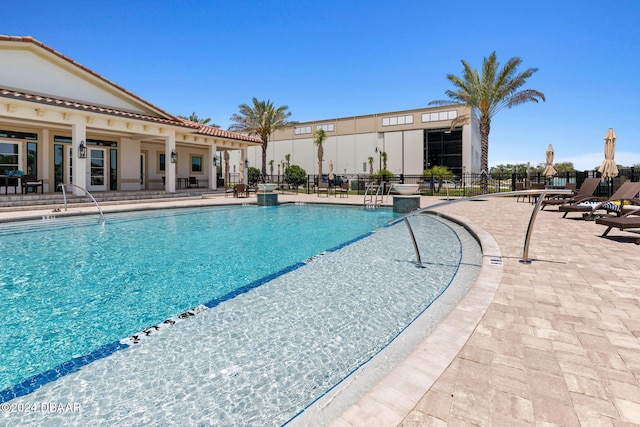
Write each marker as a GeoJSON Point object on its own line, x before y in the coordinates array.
{"type": "Point", "coordinates": [82, 151]}
{"type": "Point", "coordinates": [174, 156]}
{"type": "Point", "coordinates": [246, 164]}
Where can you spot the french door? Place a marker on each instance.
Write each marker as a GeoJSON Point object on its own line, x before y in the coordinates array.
{"type": "Point", "coordinates": [98, 169]}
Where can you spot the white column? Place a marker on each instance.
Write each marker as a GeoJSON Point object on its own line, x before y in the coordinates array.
{"type": "Point", "coordinates": [170, 168]}
{"type": "Point", "coordinates": [213, 175]}
{"type": "Point", "coordinates": [80, 170]}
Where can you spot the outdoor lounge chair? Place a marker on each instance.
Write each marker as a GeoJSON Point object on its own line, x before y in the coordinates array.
{"type": "Point", "coordinates": [626, 193]}
{"type": "Point", "coordinates": [585, 192]}
{"type": "Point", "coordinates": [628, 220]}
{"type": "Point", "coordinates": [193, 182]}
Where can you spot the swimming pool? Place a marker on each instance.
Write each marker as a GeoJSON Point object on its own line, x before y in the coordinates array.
{"type": "Point", "coordinates": [316, 316]}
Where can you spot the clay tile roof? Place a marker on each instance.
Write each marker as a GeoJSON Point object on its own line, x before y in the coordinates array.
{"type": "Point", "coordinates": [221, 133]}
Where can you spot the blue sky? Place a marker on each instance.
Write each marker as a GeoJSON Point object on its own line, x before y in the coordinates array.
{"type": "Point", "coordinates": [329, 59]}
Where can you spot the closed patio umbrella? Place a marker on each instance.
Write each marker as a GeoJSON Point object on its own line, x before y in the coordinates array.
{"type": "Point", "coordinates": [549, 170]}
{"type": "Point", "coordinates": [608, 168]}
{"type": "Point", "coordinates": [331, 170]}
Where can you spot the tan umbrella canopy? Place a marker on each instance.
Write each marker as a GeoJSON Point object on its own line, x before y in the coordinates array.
{"type": "Point", "coordinates": [608, 168]}
{"type": "Point", "coordinates": [549, 170]}
{"type": "Point", "coordinates": [241, 169]}
{"type": "Point", "coordinates": [331, 169]}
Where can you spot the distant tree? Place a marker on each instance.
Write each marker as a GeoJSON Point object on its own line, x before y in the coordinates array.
{"type": "Point", "coordinates": [318, 138]}
{"type": "Point", "coordinates": [438, 172]}
{"type": "Point", "coordinates": [271, 168]}
{"type": "Point", "coordinates": [488, 93]}
{"type": "Point", "coordinates": [370, 160]}
{"type": "Point", "coordinates": [295, 176]}
{"type": "Point", "coordinates": [253, 175]}
{"type": "Point", "coordinates": [384, 157]}
{"type": "Point", "coordinates": [564, 167]}
{"type": "Point", "coordinates": [194, 118]}
{"type": "Point", "coordinates": [287, 158]}
{"type": "Point", "coordinates": [260, 120]}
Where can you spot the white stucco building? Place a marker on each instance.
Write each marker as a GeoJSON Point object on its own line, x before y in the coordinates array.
{"type": "Point", "coordinates": [64, 123]}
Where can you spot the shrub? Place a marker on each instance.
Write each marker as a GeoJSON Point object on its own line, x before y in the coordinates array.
{"type": "Point", "coordinates": [253, 176]}
{"type": "Point", "coordinates": [295, 176]}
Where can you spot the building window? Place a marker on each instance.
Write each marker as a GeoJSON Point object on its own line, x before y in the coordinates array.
{"type": "Point", "coordinates": [8, 157]}
{"type": "Point", "coordinates": [196, 163]}
{"type": "Point", "coordinates": [397, 120]}
{"type": "Point", "coordinates": [301, 130]}
{"type": "Point", "coordinates": [113, 169]}
{"type": "Point", "coordinates": [327, 128]}
{"type": "Point", "coordinates": [439, 116]}
{"type": "Point", "coordinates": [9, 134]}
{"type": "Point", "coordinates": [161, 162]}
{"type": "Point", "coordinates": [32, 158]}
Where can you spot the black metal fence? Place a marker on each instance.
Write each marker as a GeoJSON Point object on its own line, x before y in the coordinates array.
{"type": "Point", "coordinates": [467, 184]}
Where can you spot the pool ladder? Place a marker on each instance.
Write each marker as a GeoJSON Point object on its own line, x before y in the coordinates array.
{"type": "Point", "coordinates": [373, 200]}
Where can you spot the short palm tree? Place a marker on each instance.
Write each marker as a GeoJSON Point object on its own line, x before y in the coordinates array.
{"type": "Point", "coordinates": [260, 120]}
{"type": "Point", "coordinates": [370, 160]}
{"type": "Point", "coordinates": [194, 118]}
{"type": "Point", "coordinates": [319, 139]}
{"type": "Point", "coordinates": [488, 93]}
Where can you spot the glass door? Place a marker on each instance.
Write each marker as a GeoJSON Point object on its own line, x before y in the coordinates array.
{"type": "Point", "coordinates": [97, 176]}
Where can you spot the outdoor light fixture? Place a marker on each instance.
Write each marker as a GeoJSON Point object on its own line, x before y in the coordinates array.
{"type": "Point", "coordinates": [246, 163]}
{"type": "Point", "coordinates": [82, 151]}
{"type": "Point", "coordinates": [174, 156]}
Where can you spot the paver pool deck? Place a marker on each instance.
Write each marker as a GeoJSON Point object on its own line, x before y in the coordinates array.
{"type": "Point", "coordinates": [553, 342]}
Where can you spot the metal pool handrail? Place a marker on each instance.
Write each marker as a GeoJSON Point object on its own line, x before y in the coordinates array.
{"type": "Point", "coordinates": [525, 253]}
{"type": "Point", "coordinates": [64, 194]}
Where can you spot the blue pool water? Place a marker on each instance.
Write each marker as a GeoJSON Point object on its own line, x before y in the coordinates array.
{"type": "Point", "coordinates": [68, 287]}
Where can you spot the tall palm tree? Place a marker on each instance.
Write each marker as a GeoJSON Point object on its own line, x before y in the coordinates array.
{"type": "Point", "coordinates": [260, 120]}
{"type": "Point", "coordinates": [194, 118]}
{"type": "Point", "coordinates": [319, 139]}
{"type": "Point", "coordinates": [488, 93]}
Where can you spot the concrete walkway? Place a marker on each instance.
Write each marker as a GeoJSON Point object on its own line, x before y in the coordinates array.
{"type": "Point", "coordinates": [557, 341]}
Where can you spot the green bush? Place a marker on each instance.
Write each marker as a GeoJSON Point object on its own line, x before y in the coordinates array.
{"type": "Point", "coordinates": [295, 176]}
{"type": "Point", "coordinates": [253, 176]}
{"type": "Point", "coordinates": [382, 175]}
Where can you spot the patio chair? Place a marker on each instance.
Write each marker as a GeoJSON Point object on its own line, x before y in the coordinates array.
{"type": "Point", "coordinates": [31, 181]}
{"type": "Point", "coordinates": [323, 188]}
{"type": "Point", "coordinates": [519, 187]}
{"type": "Point", "coordinates": [585, 191]}
{"type": "Point", "coordinates": [626, 193]}
{"type": "Point", "coordinates": [344, 189]}
{"type": "Point", "coordinates": [193, 182]}
{"type": "Point", "coordinates": [240, 190]}
{"type": "Point", "coordinates": [629, 220]}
